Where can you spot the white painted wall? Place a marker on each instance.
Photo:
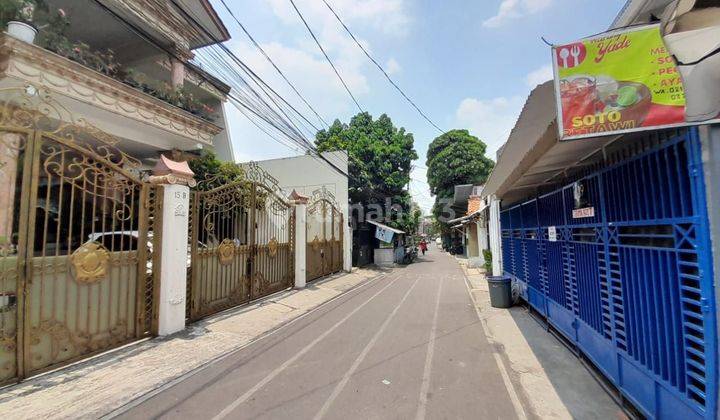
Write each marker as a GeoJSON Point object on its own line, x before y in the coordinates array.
{"type": "Point", "coordinates": [306, 174]}
{"type": "Point", "coordinates": [173, 259]}
{"type": "Point", "coordinates": [300, 245]}
{"type": "Point", "coordinates": [495, 239]}
{"type": "Point", "coordinates": [222, 143]}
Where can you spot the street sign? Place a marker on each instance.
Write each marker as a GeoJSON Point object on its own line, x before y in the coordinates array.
{"type": "Point", "coordinates": [552, 234]}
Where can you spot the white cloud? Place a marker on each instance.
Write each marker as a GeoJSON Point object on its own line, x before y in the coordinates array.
{"type": "Point", "coordinates": [513, 9]}
{"type": "Point", "coordinates": [491, 120]}
{"type": "Point", "coordinates": [388, 16]}
{"type": "Point", "coordinates": [539, 76]}
{"type": "Point", "coordinates": [303, 63]}
{"type": "Point", "coordinates": [392, 66]}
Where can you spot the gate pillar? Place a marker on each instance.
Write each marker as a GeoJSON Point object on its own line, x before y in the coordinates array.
{"type": "Point", "coordinates": [300, 203]}
{"type": "Point", "coordinates": [172, 238]}
{"type": "Point", "coordinates": [495, 240]}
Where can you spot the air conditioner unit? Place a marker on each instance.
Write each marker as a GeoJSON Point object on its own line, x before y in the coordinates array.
{"type": "Point", "coordinates": [691, 31]}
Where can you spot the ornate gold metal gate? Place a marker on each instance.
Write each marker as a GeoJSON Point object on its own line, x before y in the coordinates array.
{"type": "Point", "coordinates": [241, 245]}
{"type": "Point", "coordinates": [75, 253]}
{"type": "Point", "coordinates": [324, 235]}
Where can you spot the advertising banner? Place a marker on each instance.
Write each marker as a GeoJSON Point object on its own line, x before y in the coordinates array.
{"type": "Point", "coordinates": [617, 83]}
{"type": "Point", "coordinates": [383, 234]}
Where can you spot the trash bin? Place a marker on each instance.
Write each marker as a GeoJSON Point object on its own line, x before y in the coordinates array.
{"type": "Point", "coordinates": [500, 291]}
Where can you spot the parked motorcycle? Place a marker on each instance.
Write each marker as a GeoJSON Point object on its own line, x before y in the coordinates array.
{"type": "Point", "coordinates": [411, 254]}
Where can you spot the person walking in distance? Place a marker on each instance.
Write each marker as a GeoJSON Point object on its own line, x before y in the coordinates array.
{"type": "Point", "coordinates": [423, 246]}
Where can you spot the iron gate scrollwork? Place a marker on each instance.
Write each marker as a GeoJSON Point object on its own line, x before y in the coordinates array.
{"type": "Point", "coordinates": [324, 232]}
{"type": "Point", "coordinates": [76, 246]}
{"type": "Point", "coordinates": [241, 244]}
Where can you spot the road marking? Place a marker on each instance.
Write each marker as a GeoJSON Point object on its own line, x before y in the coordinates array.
{"type": "Point", "coordinates": [519, 410]}
{"type": "Point", "coordinates": [425, 387]}
{"type": "Point", "coordinates": [249, 393]}
{"type": "Point", "coordinates": [172, 383]}
{"type": "Point", "coordinates": [341, 385]}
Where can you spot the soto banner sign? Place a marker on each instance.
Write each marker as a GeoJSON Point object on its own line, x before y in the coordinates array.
{"type": "Point", "coordinates": [617, 83]}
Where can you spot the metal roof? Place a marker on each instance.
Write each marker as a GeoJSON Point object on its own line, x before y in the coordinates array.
{"type": "Point", "coordinates": [391, 229]}
{"type": "Point", "coordinates": [534, 158]}
{"type": "Point", "coordinates": [534, 122]}
{"type": "Point", "coordinates": [464, 219]}
{"type": "Point", "coordinates": [637, 11]}
{"type": "Point", "coordinates": [462, 192]}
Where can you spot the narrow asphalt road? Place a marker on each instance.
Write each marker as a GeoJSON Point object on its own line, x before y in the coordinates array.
{"type": "Point", "coordinates": [409, 345]}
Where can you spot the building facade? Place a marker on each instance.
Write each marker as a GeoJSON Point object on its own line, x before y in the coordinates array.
{"type": "Point", "coordinates": [613, 240]}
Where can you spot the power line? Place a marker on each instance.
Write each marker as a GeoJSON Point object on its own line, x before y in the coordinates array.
{"type": "Point", "coordinates": [257, 45]}
{"type": "Point", "coordinates": [387, 76]}
{"type": "Point", "coordinates": [253, 103]}
{"type": "Point", "coordinates": [259, 127]}
{"type": "Point", "coordinates": [307, 144]}
{"type": "Point", "coordinates": [325, 54]}
{"type": "Point", "coordinates": [301, 140]}
{"type": "Point", "coordinates": [295, 135]}
{"type": "Point", "coordinates": [420, 181]}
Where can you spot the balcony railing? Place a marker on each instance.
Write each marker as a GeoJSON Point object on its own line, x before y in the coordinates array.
{"type": "Point", "coordinates": [89, 83]}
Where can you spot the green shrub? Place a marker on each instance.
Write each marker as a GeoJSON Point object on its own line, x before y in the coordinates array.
{"type": "Point", "coordinates": [488, 259]}
{"type": "Point", "coordinates": [210, 172]}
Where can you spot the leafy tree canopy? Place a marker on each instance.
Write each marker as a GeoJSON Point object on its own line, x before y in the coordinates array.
{"type": "Point", "coordinates": [380, 156]}
{"type": "Point", "coordinates": [455, 158]}
{"type": "Point", "coordinates": [212, 173]}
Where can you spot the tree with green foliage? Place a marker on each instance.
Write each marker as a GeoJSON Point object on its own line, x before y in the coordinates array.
{"type": "Point", "coordinates": [380, 158]}
{"type": "Point", "coordinates": [212, 173]}
{"type": "Point", "coordinates": [455, 158]}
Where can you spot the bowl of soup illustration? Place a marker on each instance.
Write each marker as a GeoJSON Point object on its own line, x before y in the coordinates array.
{"type": "Point", "coordinates": [591, 101]}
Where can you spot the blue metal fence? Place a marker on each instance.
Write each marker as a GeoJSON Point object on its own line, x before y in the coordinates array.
{"type": "Point", "coordinates": [631, 285]}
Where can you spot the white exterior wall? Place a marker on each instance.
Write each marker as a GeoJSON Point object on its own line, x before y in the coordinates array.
{"type": "Point", "coordinates": [495, 239]}
{"type": "Point", "coordinates": [222, 144]}
{"type": "Point", "coordinates": [306, 174]}
{"type": "Point", "coordinates": [173, 259]}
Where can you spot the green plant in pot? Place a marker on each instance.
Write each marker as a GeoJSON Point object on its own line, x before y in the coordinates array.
{"type": "Point", "coordinates": [21, 17]}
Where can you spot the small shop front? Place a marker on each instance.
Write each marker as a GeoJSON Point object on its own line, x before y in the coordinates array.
{"type": "Point", "coordinates": [390, 249]}
{"type": "Point", "coordinates": [604, 214]}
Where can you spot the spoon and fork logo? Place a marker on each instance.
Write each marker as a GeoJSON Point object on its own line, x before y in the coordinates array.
{"type": "Point", "coordinates": [571, 55]}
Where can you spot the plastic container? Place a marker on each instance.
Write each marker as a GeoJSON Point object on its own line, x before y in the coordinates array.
{"type": "Point", "coordinates": [500, 291]}
{"type": "Point", "coordinates": [21, 31]}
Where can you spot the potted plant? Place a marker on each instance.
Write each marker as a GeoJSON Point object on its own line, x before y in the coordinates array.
{"type": "Point", "coordinates": [20, 15]}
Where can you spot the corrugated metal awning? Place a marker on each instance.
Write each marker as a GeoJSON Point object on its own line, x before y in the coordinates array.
{"type": "Point", "coordinates": [533, 157]}
{"type": "Point", "coordinates": [391, 229]}
{"type": "Point", "coordinates": [464, 219]}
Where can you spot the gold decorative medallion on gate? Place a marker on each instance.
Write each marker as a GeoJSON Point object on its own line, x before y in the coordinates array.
{"type": "Point", "coordinates": [90, 262]}
{"type": "Point", "coordinates": [226, 251]}
{"type": "Point", "coordinates": [272, 247]}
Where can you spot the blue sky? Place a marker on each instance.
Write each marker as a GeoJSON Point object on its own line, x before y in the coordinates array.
{"type": "Point", "coordinates": [467, 64]}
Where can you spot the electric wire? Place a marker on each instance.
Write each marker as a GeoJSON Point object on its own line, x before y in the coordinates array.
{"type": "Point", "coordinates": [267, 57]}
{"type": "Point", "coordinates": [235, 100]}
{"type": "Point", "coordinates": [239, 62]}
{"type": "Point", "coordinates": [290, 124]}
{"type": "Point", "coordinates": [299, 138]}
{"type": "Point", "coordinates": [337, 73]}
{"type": "Point", "coordinates": [382, 70]}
